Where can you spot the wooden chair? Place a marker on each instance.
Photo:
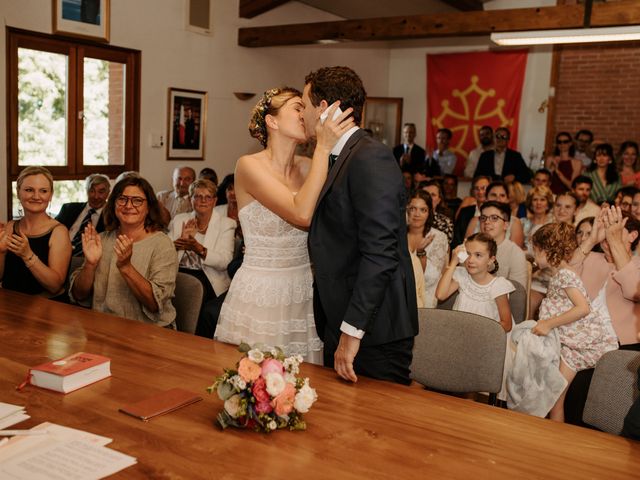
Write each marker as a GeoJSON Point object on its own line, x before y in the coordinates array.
{"type": "Point", "coordinates": [613, 389]}
{"type": "Point", "coordinates": [459, 352]}
{"type": "Point", "coordinates": [187, 302]}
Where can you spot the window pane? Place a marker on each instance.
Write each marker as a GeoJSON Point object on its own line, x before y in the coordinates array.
{"type": "Point", "coordinates": [104, 100]}
{"type": "Point", "coordinates": [42, 108]}
{"type": "Point", "coordinates": [63, 191]}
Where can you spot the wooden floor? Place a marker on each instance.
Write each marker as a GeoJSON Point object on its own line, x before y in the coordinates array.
{"type": "Point", "coordinates": [369, 430]}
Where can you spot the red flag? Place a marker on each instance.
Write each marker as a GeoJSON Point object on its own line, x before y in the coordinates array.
{"type": "Point", "coordinates": [468, 90]}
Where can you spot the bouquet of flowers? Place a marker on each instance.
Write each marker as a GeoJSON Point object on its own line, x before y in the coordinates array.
{"type": "Point", "coordinates": [263, 392]}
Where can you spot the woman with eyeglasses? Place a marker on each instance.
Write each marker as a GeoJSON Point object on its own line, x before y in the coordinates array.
{"type": "Point", "coordinates": [129, 269]}
{"type": "Point", "coordinates": [428, 246]}
{"type": "Point", "coordinates": [35, 250]}
{"type": "Point", "coordinates": [563, 166]}
{"type": "Point", "coordinates": [204, 239]}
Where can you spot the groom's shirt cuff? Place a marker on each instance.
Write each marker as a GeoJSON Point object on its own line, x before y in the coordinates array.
{"type": "Point", "coordinates": [351, 330]}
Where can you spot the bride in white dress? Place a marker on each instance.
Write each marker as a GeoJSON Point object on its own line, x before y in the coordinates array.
{"type": "Point", "coordinates": [270, 298]}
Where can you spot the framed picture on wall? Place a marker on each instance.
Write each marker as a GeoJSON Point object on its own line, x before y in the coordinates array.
{"type": "Point", "coordinates": [82, 18]}
{"type": "Point", "coordinates": [187, 117]}
{"type": "Point", "coordinates": [382, 115]}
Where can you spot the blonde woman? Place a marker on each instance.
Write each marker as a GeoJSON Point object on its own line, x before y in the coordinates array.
{"type": "Point", "coordinates": [35, 250]}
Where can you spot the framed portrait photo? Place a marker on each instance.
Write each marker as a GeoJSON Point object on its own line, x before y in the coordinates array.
{"type": "Point", "coordinates": [187, 124]}
{"type": "Point", "coordinates": [82, 18]}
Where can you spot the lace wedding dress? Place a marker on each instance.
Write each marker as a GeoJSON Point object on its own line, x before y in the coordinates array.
{"type": "Point", "coordinates": [270, 297]}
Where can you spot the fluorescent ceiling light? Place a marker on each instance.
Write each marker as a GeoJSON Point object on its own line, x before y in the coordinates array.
{"type": "Point", "coordinates": [577, 35]}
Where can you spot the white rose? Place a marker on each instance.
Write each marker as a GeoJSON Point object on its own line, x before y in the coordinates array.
{"type": "Point", "coordinates": [275, 383]}
{"type": "Point", "coordinates": [256, 356]}
{"type": "Point", "coordinates": [272, 425]}
{"type": "Point", "coordinates": [232, 406]}
{"type": "Point", "coordinates": [305, 397]}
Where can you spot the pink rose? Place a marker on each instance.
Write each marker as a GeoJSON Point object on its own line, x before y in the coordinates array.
{"type": "Point", "coordinates": [271, 365]}
{"type": "Point", "coordinates": [264, 407]}
{"type": "Point", "coordinates": [259, 391]}
{"type": "Point", "coordinates": [248, 370]}
{"type": "Point", "coordinates": [283, 403]}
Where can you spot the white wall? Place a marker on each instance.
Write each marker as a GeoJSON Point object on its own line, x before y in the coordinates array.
{"type": "Point", "coordinates": [175, 57]}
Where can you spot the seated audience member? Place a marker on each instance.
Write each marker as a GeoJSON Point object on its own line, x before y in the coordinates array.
{"type": "Point", "coordinates": [450, 189]}
{"type": "Point", "coordinates": [76, 215]}
{"type": "Point", "coordinates": [128, 173]}
{"type": "Point", "coordinates": [408, 153]}
{"type": "Point", "coordinates": [539, 204]}
{"type": "Point", "coordinates": [542, 178]}
{"type": "Point", "coordinates": [583, 231]}
{"type": "Point", "coordinates": [204, 240]}
{"type": "Point", "coordinates": [35, 250]}
{"type": "Point", "coordinates": [502, 163]}
{"type": "Point", "coordinates": [177, 200]}
{"type": "Point", "coordinates": [469, 208]}
{"type": "Point", "coordinates": [428, 244]}
{"type": "Point", "coordinates": [635, 206]}
{"type": "Point", "coordinates": [497, 191]}
{"type": "Point", "coordinates": [494, 221]}
{"type": "Point", "coordinates": [517, 199]}
{"type": "Point", "coordinates": [446, 158]}
{"type": "Point", "coordinates": [564, 167]}
{"type": "Point", "coordinates": [480, 290]}
{"type": "Point", "coordinates": [407, 175]}
{"type": "Point", "coordinates": [584, 139]}
{"type": "Point", "coordinates": [581, 187]}
{"type": "Point", "coordinates": [485, 135]}
{"type": "Point", "coordinates": [564, 208]}
{"type": "Point", "coordinates": [628, 164]}
{"type": "Point", "coordinates": [624, 198]}
{"type": "Point", "coordinates": [227, 205]}
{"type": "Point", "coordinates": [129, 269]}
{"type": "Point", "coordinates": [442, 220]}
{"type": "Point", "coordinates": [604, 175]}
{"type": "Point", "coordinates": [616, 274]}
{"type": "Point", "coordinates": [208, 174]}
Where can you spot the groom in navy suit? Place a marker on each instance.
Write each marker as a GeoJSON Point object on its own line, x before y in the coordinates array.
{"type": "Point", "coordinates": [364, 290]}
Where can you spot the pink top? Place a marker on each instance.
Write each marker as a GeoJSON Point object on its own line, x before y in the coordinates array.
{"type": "Point", "coordinates": [622, 292]}
{"type": "Point", "coordinates": [633, 179]}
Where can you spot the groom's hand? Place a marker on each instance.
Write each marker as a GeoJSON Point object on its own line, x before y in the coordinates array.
{"type": "Point", "coordinates": [348, 347]}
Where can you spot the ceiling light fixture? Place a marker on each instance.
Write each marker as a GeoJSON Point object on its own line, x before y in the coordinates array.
{"type": "Point", "coordinates": [576, 35]}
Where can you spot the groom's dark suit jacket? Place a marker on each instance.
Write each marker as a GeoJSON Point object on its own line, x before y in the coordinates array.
{"type": "Point", "coordinates": [358, 246]}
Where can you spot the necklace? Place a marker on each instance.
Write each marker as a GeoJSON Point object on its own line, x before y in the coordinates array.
{"type": "Point", "coordinates": [201, 229]}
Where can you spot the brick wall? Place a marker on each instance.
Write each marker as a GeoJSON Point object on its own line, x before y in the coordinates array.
{"type": "Point", "coordinates": [599, 89]}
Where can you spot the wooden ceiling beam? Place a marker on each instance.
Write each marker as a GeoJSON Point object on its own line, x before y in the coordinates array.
{"type": "Point", "coordinates": [253, 8]}
{"type": "Point", "coordinates": [623, 12]}
{"type": "Point", "coordinates": [464, 5]}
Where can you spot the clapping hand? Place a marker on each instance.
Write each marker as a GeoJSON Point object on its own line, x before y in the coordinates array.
{"type": "Point", "coordinates": [91, 245]}
{"type": "Point", "coordinates": [189, 228]}
{"type": "Point", "coordinates": [18, 244]}
{"type": "Point", "coordinates": [186, 243]}
{"type": "Point", "coordinates": [613, 222]}
{"type": "Point", "coordinates": [597, 231]}
{"type": "Point", "coordinates": [123, 249]}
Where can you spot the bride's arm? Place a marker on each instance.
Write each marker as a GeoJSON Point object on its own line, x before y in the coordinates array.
{"type": "Point", "coordinates": [296, 209]}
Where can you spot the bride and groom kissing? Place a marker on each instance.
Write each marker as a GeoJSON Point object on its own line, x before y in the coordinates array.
{"type": "Point", "coordinates": [357, 311]}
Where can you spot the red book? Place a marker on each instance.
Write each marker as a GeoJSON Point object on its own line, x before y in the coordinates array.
{"type": "Point", "coordinates": [72, 372]}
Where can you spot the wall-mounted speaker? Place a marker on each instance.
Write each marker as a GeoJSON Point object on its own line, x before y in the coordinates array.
{"type": "Point", "coordinates": [199, 16]}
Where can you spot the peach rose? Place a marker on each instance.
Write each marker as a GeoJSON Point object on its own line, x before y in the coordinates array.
{"type": "Point", "coordinates": [283, 403]}
{"type": "Point", "coordinates": [248, 370]}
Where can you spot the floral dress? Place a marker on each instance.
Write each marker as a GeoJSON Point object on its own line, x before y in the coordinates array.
{"type": "Point", "coordinates": [584, 341]}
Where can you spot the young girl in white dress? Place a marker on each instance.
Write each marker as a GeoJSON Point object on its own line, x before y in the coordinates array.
{"type": "Point", "coordinates": [585, 332]}
{"type": "Point", "coordinates": [270, 298]}
{"type": "Point", "coordinates": [479, 290]}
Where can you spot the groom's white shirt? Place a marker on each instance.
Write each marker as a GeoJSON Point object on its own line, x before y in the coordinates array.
{"type": "Point", "coordinates": [337, 149]}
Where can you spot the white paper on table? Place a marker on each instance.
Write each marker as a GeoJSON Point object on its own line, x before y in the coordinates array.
{"type": "Point", "coordinates": [12, 419]}
{"type": "Point", "coordinates": [68, 433]}
{"type": "Point", "coordinates": [65, 460]}
{"type": "Point", "coordinates": [7, 409]}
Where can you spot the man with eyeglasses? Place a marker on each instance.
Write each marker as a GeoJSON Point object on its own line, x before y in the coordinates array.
{"type": "Point", "coordinates": [485, 135]}
{"type": "Point", "coordinates": [494, 221]}
{"type": "Point", "coordinates": [177, 200]}
{"type": "Point", "coordinates": [502, 163]}
{"type": "Point", "coordinates": [584, 139]}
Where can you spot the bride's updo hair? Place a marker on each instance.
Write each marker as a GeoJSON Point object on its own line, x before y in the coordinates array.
{"type": "Point", "coordinates": [271, 101]}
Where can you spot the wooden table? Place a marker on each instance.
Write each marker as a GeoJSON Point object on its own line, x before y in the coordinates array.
{"type": "Point", "coordinates": [369, 430]}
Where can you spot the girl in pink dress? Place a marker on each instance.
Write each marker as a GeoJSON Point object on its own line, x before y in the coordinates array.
{"type": "Point", "coordinates": [585, 332]}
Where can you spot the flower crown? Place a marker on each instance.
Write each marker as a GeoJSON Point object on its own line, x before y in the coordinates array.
{"type": "Point", "coordinates": [258, 125]}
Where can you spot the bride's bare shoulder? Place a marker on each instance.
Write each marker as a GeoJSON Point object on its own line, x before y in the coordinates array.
{"type": "Point", "coordinates": [250, 161]}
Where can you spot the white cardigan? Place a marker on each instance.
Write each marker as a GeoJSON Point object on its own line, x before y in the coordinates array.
{"type": "Point", "coordinates": [219, 242]}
